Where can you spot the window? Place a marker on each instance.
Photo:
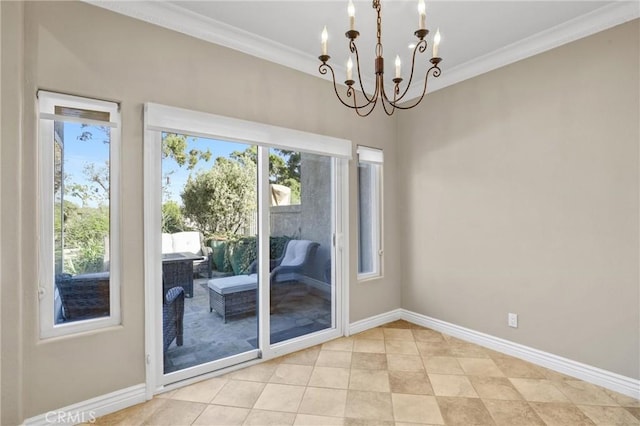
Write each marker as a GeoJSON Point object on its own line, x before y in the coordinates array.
{"type": "Point", "coordinates": [369, 212]}
{"type": "Point", "coordinates": [78, 160]}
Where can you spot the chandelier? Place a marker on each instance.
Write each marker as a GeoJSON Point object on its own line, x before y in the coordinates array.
{"type": "Point", "coordinates": [365, 106]}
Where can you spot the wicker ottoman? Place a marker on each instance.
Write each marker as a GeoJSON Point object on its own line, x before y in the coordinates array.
{"type": "Point", "coordinates": [233, 296]}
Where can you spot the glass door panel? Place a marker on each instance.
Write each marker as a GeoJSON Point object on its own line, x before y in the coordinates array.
{"type": "Point", "coordinates": [301, 210]}
{"type": "Point", "coordinates": [209, 251]}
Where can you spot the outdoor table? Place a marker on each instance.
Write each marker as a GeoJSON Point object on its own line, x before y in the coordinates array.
{"type": "Point", "coordinates": [177, 269]}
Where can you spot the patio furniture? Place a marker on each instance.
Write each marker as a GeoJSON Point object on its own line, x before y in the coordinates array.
{"type": "Point", "coordinates": [83, 296]}
{"type": "Point", "coordinates": [236, 295]}
{"type": "Point", "coordinates": [177, 270]}
{"type": "Point", "coordinates": [172, 317]}
{"type": "Point", "coordinates": [233, 296]}
{"type": "Point", "coordinates": [191, 242]}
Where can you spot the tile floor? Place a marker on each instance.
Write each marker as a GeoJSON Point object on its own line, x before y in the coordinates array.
{"type": "Point", "coordinates": [398, 374]}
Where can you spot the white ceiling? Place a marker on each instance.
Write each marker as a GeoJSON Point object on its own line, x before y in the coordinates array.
{"type": "Point", "coordinates": [477, 36]}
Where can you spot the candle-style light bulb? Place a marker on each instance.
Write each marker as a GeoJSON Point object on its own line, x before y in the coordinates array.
{"type": "Point", "coordinates": [324, 37]}
{"type": "Point", "coordinates": [422, 14]}
{"type": "Point", "coordinates": [351, 10]}
{"type": "Point", "coordinates": [398, 65]}
{"type": "Point", "coordinates": [349, 69]}
{"type": "Point", "coordinates": [436, 43]}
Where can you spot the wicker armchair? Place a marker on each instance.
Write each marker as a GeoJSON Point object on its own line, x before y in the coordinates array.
{"type": "Point", "coordinates": [296, 259]}
{"type": "Point", "coordinates": [84, 296]}
{"type": "Point", "coordinates": [172, 317]}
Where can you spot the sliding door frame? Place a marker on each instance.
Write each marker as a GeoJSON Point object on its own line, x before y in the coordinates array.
{"type": "Point", "coordinates": [161, 118]}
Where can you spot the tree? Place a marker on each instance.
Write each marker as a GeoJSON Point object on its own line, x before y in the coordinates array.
{"type": "Point", "coordinates": [219, 201]}
{"type": "Point", "coordinates": [172, 220]}
{"type": "Point", "coordinates": [284, 167]}
{"type": "Point", "coordinates": [97, 186]}
{"type": "Point", "coordinates": [175, 146]}
{"type": "Point", "coordinates": [85, 230]}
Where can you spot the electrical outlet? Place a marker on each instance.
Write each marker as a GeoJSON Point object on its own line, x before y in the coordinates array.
{"type": "Point", "coordinates": [512, 320]}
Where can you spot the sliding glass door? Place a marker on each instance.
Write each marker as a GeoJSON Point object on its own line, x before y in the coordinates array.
{"type": "Point", "coordinates": [241, 223]}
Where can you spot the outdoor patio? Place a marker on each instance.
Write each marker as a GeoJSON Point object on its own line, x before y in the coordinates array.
{"type": "Point", "coordinates": [303, 309]}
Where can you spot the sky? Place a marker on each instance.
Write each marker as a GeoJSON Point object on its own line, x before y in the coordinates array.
{"type": "Point", "coordinates": [177, 176]}
{"type": "Point", "coordinates": [79, 153]}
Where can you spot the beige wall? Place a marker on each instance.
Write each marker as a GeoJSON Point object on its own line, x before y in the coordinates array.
{"type": "Point", "coordinates": [521, 195]}
{"type": "Point", "coordinates": [11, 243]}
{"type": "Point", "coordinates": [80, 49]}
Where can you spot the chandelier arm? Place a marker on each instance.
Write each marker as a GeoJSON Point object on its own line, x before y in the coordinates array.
{"type": "Point", "coordinates": [420, 47]}
{"type": "Point", "coordinates": [323, 70]}
{"type": "Point", "coordinates": [384, 107]}
{"type": "Point", "coordinates": [435, 72]}
{"type": "Point", "coordinates": [360, 108]}
{"type": "Point", "coordinates": [370, 105]}
{"type": "Point", "coordinates": [380, 81]}
{"type": "Point", "coordinates": [354, 49]}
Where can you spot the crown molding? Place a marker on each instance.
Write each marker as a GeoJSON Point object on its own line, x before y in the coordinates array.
{"type": "Point", "coordinates": [582, 26]}
{"type": "Point", "coordinates": [173, 17]}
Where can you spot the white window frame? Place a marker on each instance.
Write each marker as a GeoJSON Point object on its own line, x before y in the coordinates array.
{"type": "Point", "coordinates": [47, 101]}
{"type": "Point", "coordinates": [374, 157]}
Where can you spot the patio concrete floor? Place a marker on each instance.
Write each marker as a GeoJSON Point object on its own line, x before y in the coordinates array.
{"type": "Point", "coordinates": [206, 337]}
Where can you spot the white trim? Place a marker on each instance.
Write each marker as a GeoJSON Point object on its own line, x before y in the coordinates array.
{"type": "Point", "coordinates": [588, 373]}
{"type": "Point", "coordinates": [165, 118]}
{"type": "Point", "coordinates": [96, 407]}
{"type": "Point", "coordinates": [375, 321]}
{"type": "Point", "coordinates": [264, 234]}
{"type": "Point", "coordinates": [187, 22]}
{"type": "Point", "coordinates": [598, 376]}
{"type": "Point", "coordinates": [152, 251]}
{"type": "Point", "coordinates": [81, 120]}
{"type": "Point", "coordinates": [341, 251]}
{"type": "Point", "coordinates": [370, 155]}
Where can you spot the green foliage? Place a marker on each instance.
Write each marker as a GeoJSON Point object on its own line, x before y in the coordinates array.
{"type": "Point", "coordinates": [172, 220]}
{"type": "Point", "coordinates": [219, 248]}
{"type": "Point", "coordinates": [240, 252]}
{"type": "Point", "coordinates": [284, 167]}
{"type": "Point", "coordinates": [175, 146]}
{"type": "Point", "coordinates": [277, 245]}
{"type": "Point", "coordinates": [85, 230]}
{"type": "Point", "coordinates": [220, 201]}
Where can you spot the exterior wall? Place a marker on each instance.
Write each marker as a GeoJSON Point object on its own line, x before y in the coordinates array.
{"type": "Point", "coordinates": [520, 194]}
{"type": "Point", "coordinates": [285, 220]}
{"type": "Point", "coordinates": [119, 58]}
{"type": "Point", "coordinates": [315, 221]}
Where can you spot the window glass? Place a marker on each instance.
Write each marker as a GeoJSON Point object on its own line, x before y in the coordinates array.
{"type": "Point", "coordinates": [369, 212]}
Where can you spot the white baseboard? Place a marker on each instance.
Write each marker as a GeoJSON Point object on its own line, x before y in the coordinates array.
{"type": "Point", "coordinates": [87, 411]}
{"type": "Point", "coordinates": [607, 379]}
{"type": "Point", "coordinates": [374, 321]}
